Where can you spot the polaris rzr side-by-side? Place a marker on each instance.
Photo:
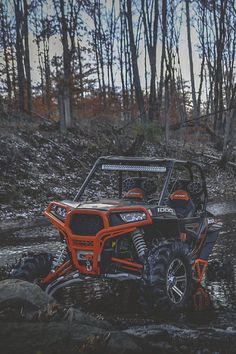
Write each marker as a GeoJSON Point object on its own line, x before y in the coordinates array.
{"type": "Point", "coordinates": [141, 219]}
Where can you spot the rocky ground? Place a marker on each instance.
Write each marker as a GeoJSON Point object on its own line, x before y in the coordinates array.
{"type": "Point", "coordinates": [40, 325]}
{"type": "Point", "coordinates": [39, 164]}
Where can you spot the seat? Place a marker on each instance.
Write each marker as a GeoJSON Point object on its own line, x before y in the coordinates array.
{"type": "Point", "coordinates": [135, 193]}
{"type": "Point", "coordinates": [181, 202]}
{"type": "Point", "coordinates": [138, 187]}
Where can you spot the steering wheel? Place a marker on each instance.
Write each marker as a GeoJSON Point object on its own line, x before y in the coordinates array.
{"type": "Point", "coordinates": [195, 188]}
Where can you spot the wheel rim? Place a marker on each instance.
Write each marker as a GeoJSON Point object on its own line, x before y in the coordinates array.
{"type": "Point", "coordinates": [176, 281]}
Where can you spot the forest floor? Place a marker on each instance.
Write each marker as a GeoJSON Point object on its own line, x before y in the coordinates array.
{"type": "Point", "coordinates": [39, 164]}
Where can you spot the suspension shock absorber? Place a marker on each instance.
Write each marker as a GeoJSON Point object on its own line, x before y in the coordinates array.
{"type": "Point", "coordinates": [60, 257]}
{"type": "Point", "coordinates": [139, 242]}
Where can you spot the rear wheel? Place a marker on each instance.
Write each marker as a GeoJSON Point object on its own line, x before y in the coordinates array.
{"type": "Point", "coordinates": [168, 277]}
{"type": "Point", "coordinates": [32, 267]}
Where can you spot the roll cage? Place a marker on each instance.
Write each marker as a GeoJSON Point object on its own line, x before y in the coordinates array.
{"type": "Point", "coordinates": [122, 164]}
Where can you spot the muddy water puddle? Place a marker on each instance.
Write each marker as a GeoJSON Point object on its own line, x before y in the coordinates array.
{"type": "Point", "coordinates": [223, 208]}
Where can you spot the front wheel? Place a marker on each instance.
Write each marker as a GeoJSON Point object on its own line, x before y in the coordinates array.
{"type": "Point", "coordinates": [168, 277]}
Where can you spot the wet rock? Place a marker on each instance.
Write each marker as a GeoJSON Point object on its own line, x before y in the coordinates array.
{"type": "Point", "coordinates": [200, 340]}
{"type": "Point", "coordinates": [22, 299]}
{"type": "Point", "coordinates": [149, 332]}
{"type": "Point", "coordinates": [78, 316]}
{"type": "Point", "coordinates": [85, 338]}
{"type": "Point", "coordinates": [10, 226]}
{"type": "Point", "coordinates": [64, 337]}
{"type": "Point", "coordinates": [3, 272]}
{"type": "Point", "coordinates": [165, 348]}
{"type": "Point", "coordinates": [123, 343]}
{"type": "Point", "coordinates": [220, 270]}
{"type": "Point", "coordinates": [35, 337]}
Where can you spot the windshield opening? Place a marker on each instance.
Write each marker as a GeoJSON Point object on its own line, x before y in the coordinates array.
{"type": "Point", "coordinates": [116, 181]}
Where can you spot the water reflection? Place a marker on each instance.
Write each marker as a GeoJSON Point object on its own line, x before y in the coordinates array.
{"type": "Point", "coordinates": [222, 294]}
{"type": "Point", "coordinates": [224, 208]}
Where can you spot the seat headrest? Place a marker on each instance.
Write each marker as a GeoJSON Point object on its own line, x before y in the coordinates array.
{"type": "Point", "coordinates": [180, 195]}
{"type": "Point", "coordinates": [148, 185]}
{"type": "Point", "coordinates": [135, 193]}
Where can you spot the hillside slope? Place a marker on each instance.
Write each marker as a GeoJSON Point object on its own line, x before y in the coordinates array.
{"type": "Point", "coordinates": [38, 164]}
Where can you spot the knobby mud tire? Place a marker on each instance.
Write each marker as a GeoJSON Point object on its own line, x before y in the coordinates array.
{"type": "Point", "coordinates": [156, 296]}
{"type": "Point", "coordinates": [32, 267]}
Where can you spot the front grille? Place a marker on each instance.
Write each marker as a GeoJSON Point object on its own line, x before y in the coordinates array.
{"type": "Point", "coordinates": [86, 224]}
{"type": "Point", "coordinates": [83, 243]}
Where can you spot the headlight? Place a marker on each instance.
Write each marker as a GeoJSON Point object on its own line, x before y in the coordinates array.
{"type": "Point", "coordinates": [61, 212]}
{"type": "Point", "coordinates": [133, 216]}
{"type": "Point", "coordinates": [58, 211]}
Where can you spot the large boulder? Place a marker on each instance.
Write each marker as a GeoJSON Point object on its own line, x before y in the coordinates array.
{"type": "Point", "coordinates": [22, 298]}
{"type": "Point", "coordinates": [179, 339]}
{"type": "Point", "coordinates": [63, 337]}
{"type": "Point", "coordinates": [77, 316]}
{"type": "Point", "coordinates": [120, 342]}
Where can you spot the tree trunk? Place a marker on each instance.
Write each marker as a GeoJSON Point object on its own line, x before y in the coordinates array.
{"type": "Point", "coordinates": [136, 77]}
{"type": "Point", "coordinates": [150, 32]}
{"type": "Point", "coordinates": [67, 69]}
{"type": "Point", "coordinates": [163, 53]}
{"type": "Point", "coordinates": [27, 58]}
{"type": "Point", "coordinates": [121, 58]}
{"type": "Point", "coordinates": [19, 55]}
{"type": "Point", "coordinates": [190, 53]}
{"type": "Point", "coordinates": [81, 85]}
{"type": "Point", "coordinates": [3, 22]}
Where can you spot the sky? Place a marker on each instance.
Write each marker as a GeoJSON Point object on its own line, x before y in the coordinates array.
{"type": "Point", "coordinates": [56, 49]}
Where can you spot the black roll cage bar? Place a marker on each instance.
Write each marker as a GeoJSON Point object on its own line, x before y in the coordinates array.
{"type": "Point", "coordinates": [148, 161]}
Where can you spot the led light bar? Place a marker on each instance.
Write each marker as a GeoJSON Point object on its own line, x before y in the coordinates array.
{"type": "Point", "coordinates": [134, 168]}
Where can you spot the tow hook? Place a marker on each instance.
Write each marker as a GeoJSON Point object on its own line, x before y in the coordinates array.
{"type": "Point", "coordinates": [89, 261]}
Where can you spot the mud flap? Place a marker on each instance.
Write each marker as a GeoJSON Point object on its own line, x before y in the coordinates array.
{"type": "Point", "coordinates": [211, 237]}
{"type": "Point", "coordinates": [201, 300]}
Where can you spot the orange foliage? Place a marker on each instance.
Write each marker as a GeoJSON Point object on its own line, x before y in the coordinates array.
{"type": "Point", "coordinates": [41, 109]}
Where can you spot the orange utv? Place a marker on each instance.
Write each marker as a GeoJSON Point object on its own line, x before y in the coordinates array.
{"type": "Point", "coordinates": [141, 219]}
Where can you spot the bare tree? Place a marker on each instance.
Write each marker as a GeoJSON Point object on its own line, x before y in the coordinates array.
{"type": "Point", "coordinates": [66, 14]}
{"type": "Point", "coordinates": [150, 14]}
{"type": "Point", "coordinates": [27, 55]}
{"type": "Point", "coordinates": [136, 77]}
{"type": "Point", "coordinates": [190, 53]}
{"type": "Point", "coordinates": [20, 54]}
{"type": "Point", "coordinates": [163, 52]}
{"type": "Point", "coordinates": [5, 44]}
